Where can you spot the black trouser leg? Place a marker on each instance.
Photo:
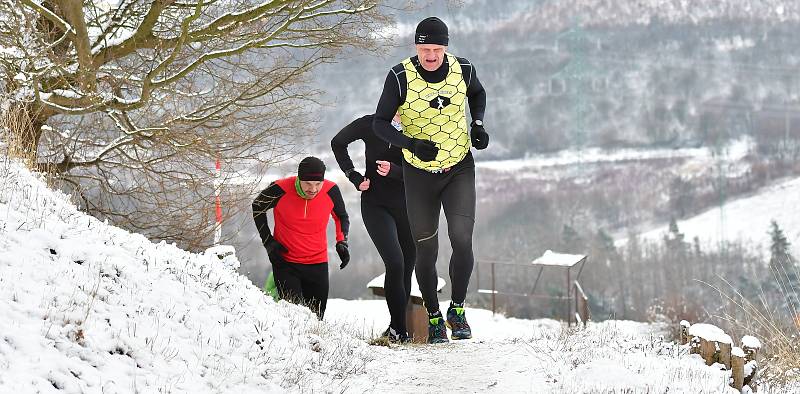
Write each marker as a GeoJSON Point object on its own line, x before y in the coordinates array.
{"type": "Point", "coordinates": [458, 201]}
{"type": "Point", "coordinates": [287, 282]}
{"type": "Point", "coordinates": [426, 193]}
{"type": "Point", "coordinates": [389, 231]}
{"type": "Point", "coordinates": [423, 203]}
{"type": "Point", "coordinates": [314, 281]}
{"type": "Point", "coordinates": [304, 284]}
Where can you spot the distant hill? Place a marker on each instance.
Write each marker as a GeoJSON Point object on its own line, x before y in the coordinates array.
{"type": "Point", "coordinates": [604, 73]}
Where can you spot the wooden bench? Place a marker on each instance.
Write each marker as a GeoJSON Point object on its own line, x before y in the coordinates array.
{"type": "Point", "coordinates": [416, 315]}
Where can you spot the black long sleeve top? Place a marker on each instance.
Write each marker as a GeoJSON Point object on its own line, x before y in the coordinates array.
{"type": "Point", "coordinates": [383, 190]}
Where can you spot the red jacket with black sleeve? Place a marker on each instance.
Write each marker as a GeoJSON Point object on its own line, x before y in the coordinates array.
{"type": "Point", "coordinates": [301, 224]}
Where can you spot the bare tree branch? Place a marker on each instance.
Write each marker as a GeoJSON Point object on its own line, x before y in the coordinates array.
{"type": "Point", "coordinates": [131, 105]}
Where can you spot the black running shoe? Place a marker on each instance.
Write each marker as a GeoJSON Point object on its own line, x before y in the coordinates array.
{"type": "Point", "coordinates": [457, 323]}
{"type": "Point", "coordinates": [437, 333]}
{"type": "Point", "coordinates": [396, 337]}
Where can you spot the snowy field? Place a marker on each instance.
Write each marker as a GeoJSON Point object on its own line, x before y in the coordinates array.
{"type": "Point", "coordinates": [88, 308]}
{"type": "Point", "coordinates": [745, 219]}
{"type": "Point", "coordinates": [546, 166]}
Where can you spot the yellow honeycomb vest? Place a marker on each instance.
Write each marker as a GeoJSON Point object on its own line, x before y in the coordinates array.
{"type": "Point", "coordinates": [436, 112]}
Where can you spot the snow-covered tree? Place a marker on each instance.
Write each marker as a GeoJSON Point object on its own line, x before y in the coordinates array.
{"type": "Point", "coordinates": [131, 101]}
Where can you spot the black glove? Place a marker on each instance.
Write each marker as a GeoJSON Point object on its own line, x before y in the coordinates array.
{"type": "Point", "coordinates": [274, 250]}
{"type": "Point", "coordinates": [344, 253]}
{"type": "Point", "coordinates": [480, 138]}
{"type": "Point", "coordinates": [272, 245]}
{"type": "Point", "coordinates": [355, 177]}
{"type": "Point", "coordinates": [425, 150]}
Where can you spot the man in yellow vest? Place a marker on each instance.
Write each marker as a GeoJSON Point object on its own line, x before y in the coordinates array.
{"type": "Point", "coordinates": [431, 92]}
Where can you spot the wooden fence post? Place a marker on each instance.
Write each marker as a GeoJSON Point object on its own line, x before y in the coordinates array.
{"type": "Point", "coordinates": [714, 345]}
{"type": "Point", "coordinates": [582, 313]}
{"type": "Point", "coordinates": [707, 350]}
{"type": "Point", "coordinates": [417, 321]}
{"type": "Point", "coordinates": [694, 345]}
{"type": "Point", "coordinates": [706, 336]}
{"type": "Point", "coordinates": [725, 354]}
{"type": "Point", "coordinates": [737, 367]}
{"type": "Point", "coordinates": [685, 338]}
{"type": "Point", "coordinates": [751, 345]}
{"type": "Point", "coordinates": [724, 344]}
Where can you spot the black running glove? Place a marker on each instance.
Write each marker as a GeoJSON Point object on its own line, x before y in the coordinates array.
{"type": "Point", "coordinates": [355, 178]}
{"type": "Point", "coordinates": [480, 138]}
{"type": "Point", "coordinates": [425, 150]}
{"type": "Point", "coordinates": [274, 250]}
{"type": "Point", "coordinates": [344, 253]}
{"type": "Point", "coordinates": [273, 246]}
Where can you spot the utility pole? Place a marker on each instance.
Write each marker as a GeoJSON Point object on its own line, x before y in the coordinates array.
{"type": "Point", "coordinates": [576, 76]}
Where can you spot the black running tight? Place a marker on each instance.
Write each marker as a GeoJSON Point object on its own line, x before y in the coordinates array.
{"type": "Point", "coordinates": [426, 194]}
{"type": "Point", "coordinates": [389, 230]}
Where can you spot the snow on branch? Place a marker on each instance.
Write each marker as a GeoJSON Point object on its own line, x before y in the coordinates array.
{"type": "Point", "coordinates": [50, 15]}
{"type": "Point", "coordinates": [154, 89]}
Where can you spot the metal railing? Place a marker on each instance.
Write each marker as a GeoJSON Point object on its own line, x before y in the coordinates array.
{"type": "Point", "coordinates": [575, 296]}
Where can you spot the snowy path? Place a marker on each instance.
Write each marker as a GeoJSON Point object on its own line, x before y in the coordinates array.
{"type": "Point", "coordinates": [527, 356]}
{"type": "Point", "coordinates": [459, 367]}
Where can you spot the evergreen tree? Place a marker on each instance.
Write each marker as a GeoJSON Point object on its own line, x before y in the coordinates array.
{"type": "Point", "coordinates": [677, 248]}
{"type": "Point", "coordinates": [571, 240]}
{"type": "Point", "coordinates": [604, 247]}
{"type": "Point", "coordinates": [779, 248]}
{"type": "Point", "coordinates": [681, 197]}
{"type": "Point", "coordinates": [674, 232]}
{"type": "Point", "coordinates": [783, 266]}
{"type": "Point", "coordinates": [696, 244]}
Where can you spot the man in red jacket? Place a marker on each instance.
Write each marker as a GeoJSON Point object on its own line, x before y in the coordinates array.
{"type": "Point", "coordinates": [298, 249]}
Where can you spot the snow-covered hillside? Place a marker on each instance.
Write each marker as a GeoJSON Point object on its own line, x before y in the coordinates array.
{"type": "Point", "coordinates": [89, 308]}
{"type": "Point", "coordinates": [745, 219]}
{"type": "Point", "coordinates": [697, 159]}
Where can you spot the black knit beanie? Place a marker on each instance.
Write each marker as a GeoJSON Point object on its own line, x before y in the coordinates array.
{"type": "Point", "coordinates": [431, 31]}
{"type": "Point", "coordinates": [311, 169]}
